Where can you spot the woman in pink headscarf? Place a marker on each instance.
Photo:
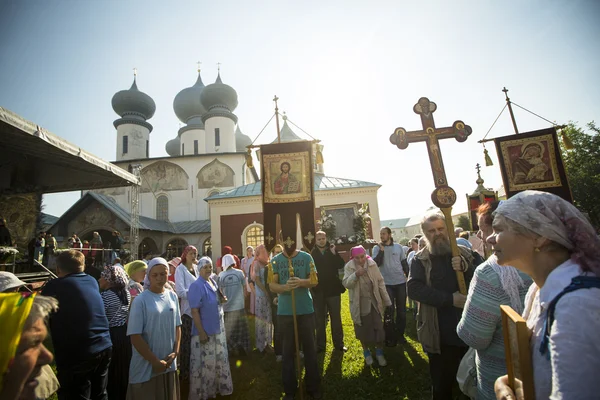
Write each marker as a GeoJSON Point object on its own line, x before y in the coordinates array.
{"type": "Point", "coordinates": [368, 299]}
{"type": "Point", "coordinates": [550, 240]}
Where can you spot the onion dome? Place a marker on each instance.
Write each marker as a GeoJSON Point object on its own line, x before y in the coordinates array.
{"type": "Point", "coordinates": [219, 99]}
{"type": "Point", "coordinates": [133, 104]}
{"type": "Point", "coordinates": [173, 146]}
{"type": "Point", "coordinates": [187, 105]}
{"type": "Point", "coordinates": [241, 140]}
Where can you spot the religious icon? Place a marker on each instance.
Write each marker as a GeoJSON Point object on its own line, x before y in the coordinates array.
{"type": "Point", "coordinates": [530, 163]}
{"type": "Point", "coordinates": [286, 182]}
{"type": "Point", "coordinates": [286, 177]}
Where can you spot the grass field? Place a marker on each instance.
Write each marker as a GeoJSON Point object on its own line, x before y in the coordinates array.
{"type": "Point", "coordinates": [344, 376]}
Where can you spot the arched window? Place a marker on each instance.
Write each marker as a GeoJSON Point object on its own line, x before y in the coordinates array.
{"type": "Point", "coordinates": [175, 248]}
{"type": "Point", "coordinates": [162, 208]}
{"type": "Point", "coordinates": [254, 236]}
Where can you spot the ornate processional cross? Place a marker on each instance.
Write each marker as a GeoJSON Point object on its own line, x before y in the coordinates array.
{"type": "Point", "coordinates": [443, 196]}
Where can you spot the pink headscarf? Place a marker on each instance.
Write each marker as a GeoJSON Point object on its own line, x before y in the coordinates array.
{"type": "Point", "coordinates": [558, 220]}
{"type": "Point", "coordinates": [186, 251]}
{"type": "Point", "coordinates": [356, 250]}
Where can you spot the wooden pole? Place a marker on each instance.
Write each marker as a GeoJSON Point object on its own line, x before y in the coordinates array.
{"type": "Point", "coordinates": [296, 342]}
{"type": "Point", "coordinates": [510, 110]}
{"type": "Point", "coordinates": [460, 276]}
{"type": "Point", "coordinates": [277, 119]}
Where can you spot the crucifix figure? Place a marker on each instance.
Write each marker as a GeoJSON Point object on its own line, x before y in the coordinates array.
{"type": "Point", "coordinates": [443, 196]}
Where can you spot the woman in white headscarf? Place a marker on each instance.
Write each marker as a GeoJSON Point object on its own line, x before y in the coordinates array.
{"type": "Point", "coordinates": [550, 240]}
{"type": "Point", "coordinates": [481, 324]}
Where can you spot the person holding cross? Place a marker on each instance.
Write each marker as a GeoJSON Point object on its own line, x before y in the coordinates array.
{"type": "Point", "coordinates": [433, 283]}
{"type": "Point", "coordinates": [291, 277]}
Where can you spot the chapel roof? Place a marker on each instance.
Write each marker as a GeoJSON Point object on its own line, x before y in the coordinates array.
{"type": "Point", "coordinates": [322, 182]}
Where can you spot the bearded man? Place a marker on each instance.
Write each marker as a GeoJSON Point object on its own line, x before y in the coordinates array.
{"type": "Point", "coordinates": [432, 282]}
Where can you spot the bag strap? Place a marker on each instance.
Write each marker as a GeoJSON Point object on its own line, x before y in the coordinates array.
{"type": "Point", "coordinates": [578, 282]}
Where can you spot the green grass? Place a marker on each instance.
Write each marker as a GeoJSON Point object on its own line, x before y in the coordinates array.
{"type": "Point", "coordinates": [343, 376]}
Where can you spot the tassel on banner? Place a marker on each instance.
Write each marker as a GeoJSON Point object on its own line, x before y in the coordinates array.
{"type": "Point", "coordinates": [313, 274]}
{"type": "Point", "coordinates": [488, 159]}
{"type": "Point", "coordinates": [249, 162]}
{"type": "Point", "coordinates": [270, 272]}
{"type": "Point", "coordinates": [319, 156]}
{"type": "Point", "coordinates": [566, 140]}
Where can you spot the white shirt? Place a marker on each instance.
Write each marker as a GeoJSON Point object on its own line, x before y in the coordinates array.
{"type": "Point", "coordinates": [573, 367]}
{"type": "Point", "coordinates": [183, 281]}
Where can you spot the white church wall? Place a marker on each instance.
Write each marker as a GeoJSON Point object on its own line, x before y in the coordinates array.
{"type": "Point", "coordinates": [187, 141]}
{"type": "Point", "coordinates": [226, 128]}
{"type": "Point", "coordinates": [137, 137]}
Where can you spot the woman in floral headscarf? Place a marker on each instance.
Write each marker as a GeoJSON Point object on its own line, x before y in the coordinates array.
{"type": "Point", "coordinates": [116, 297]}
{"type": "Point", "coordinates": [550, 240]}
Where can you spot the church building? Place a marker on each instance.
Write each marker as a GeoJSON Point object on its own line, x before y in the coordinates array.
{"type": "Point", "coordinates": [203, 193]}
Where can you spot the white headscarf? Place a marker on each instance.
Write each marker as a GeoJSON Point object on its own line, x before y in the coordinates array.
{"type": "Point", "coordinates": [151, 264]}
{"type": "Point", "coordinates": [558, 220]}
{"type": "Point", "coordinates": [227, 262]}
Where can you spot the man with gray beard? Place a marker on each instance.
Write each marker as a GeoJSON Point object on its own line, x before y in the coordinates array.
{"type": "Point", "coordinates": [432, 282]}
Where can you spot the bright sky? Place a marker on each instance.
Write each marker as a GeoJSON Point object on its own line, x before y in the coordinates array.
{"type": "Point", "coordinates": [347, 72]}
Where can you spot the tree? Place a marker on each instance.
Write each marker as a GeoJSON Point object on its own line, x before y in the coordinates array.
{"type": "Point", "coordinates": [582, 164]}
{"type": "Point", "coordinates": [464, 223]}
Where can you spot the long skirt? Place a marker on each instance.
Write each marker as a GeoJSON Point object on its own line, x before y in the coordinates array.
{"type": "Point", "coordinates": [371, 328]}
{"type": "Point", "coordinates": [184, 350]}
{"type": "Point", "coordinates": [161, 387]}
{"type": "Point", "coordinates": [210, 373]}
{"type": "Point", "coordinates": [118, 371]}
{"type": "Point", "coordinates": [236, 330]}
{"type": "Point", "coordinates": [263, 323]}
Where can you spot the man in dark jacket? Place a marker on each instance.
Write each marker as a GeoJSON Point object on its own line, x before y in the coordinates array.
{"type": "Point", "coordinates": [432, 282]}
{"type": "Point", "coordinates": [326, 295]}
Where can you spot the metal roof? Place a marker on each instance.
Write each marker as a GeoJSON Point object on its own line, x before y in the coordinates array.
{"type": "Point", "coordinates": [322, 182]}
{"type": "Point", "coordinates": [395, 223]}
{"type": "Point", "coordinates": [59, 166]}
{"type": "Point", "coordinates": [150, 224]}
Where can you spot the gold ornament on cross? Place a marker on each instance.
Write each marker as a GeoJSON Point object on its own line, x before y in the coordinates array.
{"type": "Point", "coordinates": [269, 238]}
{"type": "Point", "coordinates": [288, 242]}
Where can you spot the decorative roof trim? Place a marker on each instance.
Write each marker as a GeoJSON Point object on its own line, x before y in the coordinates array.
{"type": "Point", "coordinates": [123, 121]}
{"type": "Point", "coordinates": [219, 111]}
{"type": "Point", "coordinates": [186, 128]}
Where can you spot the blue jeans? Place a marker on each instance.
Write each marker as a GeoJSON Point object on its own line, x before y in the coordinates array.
{"type": "Point", "coordinates": [86, 380]}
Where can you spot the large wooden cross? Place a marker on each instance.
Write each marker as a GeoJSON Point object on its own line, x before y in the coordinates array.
{"type": "Point", "coordinates": [443, 196]}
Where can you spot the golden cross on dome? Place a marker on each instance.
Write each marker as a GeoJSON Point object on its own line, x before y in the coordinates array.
{"type": "Point", "coordinates": [309, 237]}
{"type": "Point", "coordinates": [135, 72]}
{"type": "Point", "coordinates": [288, 242]}
{"type": "Point", "coordinates": [269, 238]}
{"type": "Point", "coordinates": [199, 63]}
{"type": "Point", "coordinates": [218, 67]}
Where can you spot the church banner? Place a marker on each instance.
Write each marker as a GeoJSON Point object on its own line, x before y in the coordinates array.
{"type": "Point", "coordinates": [532, 161]}
{"type": "Point", "coordinates": [288, 194]}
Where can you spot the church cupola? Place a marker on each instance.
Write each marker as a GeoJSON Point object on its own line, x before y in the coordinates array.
{"type": "Point", "coordinates": [220, 100]}
{"type": "Point", "coordinates": [189, 110]}
{"type": "Point", "coordinates": [133, 131]}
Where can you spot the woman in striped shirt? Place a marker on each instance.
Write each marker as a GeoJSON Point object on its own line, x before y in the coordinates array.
{"type": "Point", "coordinates": [116, 297]}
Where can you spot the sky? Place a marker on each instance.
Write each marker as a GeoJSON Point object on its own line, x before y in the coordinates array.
{"type": "Point", "coordinates": [346, 72]}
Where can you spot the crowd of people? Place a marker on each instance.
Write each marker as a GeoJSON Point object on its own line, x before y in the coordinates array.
{"type": "Point", "coordinates": [146, 328]}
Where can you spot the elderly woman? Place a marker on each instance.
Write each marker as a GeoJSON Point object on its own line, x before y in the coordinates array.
{"type": "Point", "coordinates": [481, 324]}
{"type": "Point", "coordinates": [233, 284]}
{"type": "Point", "coordinates": [209, 367]}
{"type": "Point", "coordinates": [186, 274]}
{"type": "Point", "coordinates": [264, 321]}
{"type": "Point", "coordinates": [550, 240]}
{"type": "Point", "coordinates": [137, 272]}
{"type": "Point", "coordinates": [22, 352]}
{"type": "Point", "coordinates": [368, 299]}
{"type": "Point", "coordinates": [155, 332]}
{"type": "Point", "coordinates": [116, 298]}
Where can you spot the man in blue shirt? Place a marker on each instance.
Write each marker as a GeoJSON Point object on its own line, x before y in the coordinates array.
{"type": "Point", "coordinates": [79, 330]}
{"type": "Point", "coordinates": [283, 284]}
{"type": "Point", "coordinates": [391, 260]}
